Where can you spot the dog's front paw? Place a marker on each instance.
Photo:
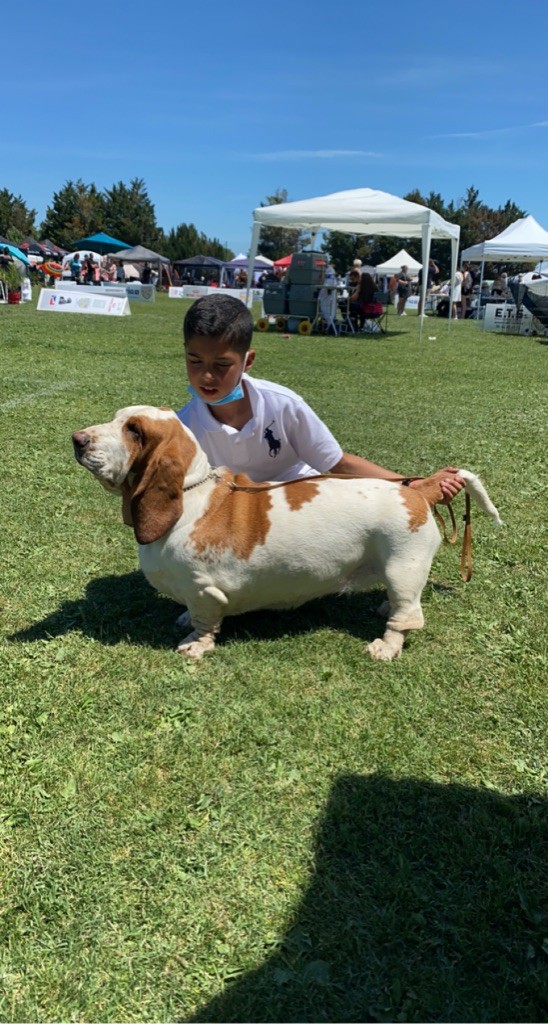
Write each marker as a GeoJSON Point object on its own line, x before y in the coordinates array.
{"type": "Point", "coordinates": [195, 646]}
{"type": "Point", "coordinates": [380, 651]}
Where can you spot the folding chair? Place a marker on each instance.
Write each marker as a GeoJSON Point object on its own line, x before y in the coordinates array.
{"type": "Point", "coordinates": [346, 325]}
{"type": "Point", "coordinates": [384, 299]}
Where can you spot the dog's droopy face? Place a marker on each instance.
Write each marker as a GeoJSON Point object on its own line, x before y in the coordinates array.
{"type": "Point", "coordinates": [110, 450]}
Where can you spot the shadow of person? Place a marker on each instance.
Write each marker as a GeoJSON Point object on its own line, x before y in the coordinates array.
{"type": "Point", "coordinates": [425, 904]}
{"type": "Point", "coordinates": [126, 608]}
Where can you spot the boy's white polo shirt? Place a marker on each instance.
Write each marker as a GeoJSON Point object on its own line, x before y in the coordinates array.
{"type": "Point", "coordinates": [283, 440]}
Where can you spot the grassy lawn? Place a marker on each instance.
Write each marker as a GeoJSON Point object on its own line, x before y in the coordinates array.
{"type": "Point", "coordinates": [287, 831]}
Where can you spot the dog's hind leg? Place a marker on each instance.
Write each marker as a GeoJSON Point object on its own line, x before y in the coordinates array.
{"type": "Point", "coordinates": [405, 583]}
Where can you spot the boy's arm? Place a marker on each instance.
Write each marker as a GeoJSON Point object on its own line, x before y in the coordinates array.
{"type": "Point", "coordinates": [354, 465]}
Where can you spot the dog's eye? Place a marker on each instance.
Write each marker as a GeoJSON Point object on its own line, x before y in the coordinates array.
{"type": "Point", "coordinates": [134, 431]}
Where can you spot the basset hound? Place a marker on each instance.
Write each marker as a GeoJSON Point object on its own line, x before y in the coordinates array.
{"type": "Point", "coordinates": [222, 545]}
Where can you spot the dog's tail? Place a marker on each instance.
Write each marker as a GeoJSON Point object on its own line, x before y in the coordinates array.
{"type": "Point", "coordinates": [430, 488]}
{"type": "Point", "coordinates": [477, 491]}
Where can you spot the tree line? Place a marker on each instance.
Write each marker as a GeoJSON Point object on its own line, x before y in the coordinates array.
{"type": "Point", "coordinates": [124, 211]}
{"type": "Point", "coordinates": [127, 213]}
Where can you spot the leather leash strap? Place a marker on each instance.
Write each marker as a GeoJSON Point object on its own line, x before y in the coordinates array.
{"type": "Point", "coordinates": [466, 553]}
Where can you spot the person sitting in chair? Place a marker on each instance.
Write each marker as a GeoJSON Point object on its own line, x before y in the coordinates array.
{"type": "Point", "coordinates": [361, 301]}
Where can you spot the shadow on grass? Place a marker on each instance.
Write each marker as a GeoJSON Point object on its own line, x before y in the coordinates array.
{"type": "Point", "coordinates": [425, 904]}
{"type": "Point", "coordinates": [125, 608]}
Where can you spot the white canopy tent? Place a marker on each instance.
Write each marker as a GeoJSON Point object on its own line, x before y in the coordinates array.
{"type": "Point", "coordinates": [524, 241]}
{"type": "Point", "coordinates": [361, 211]}
{"type": "Point", "coordinates": [241, 260]}
{"type": "Point", "coordinates": [394, 265]}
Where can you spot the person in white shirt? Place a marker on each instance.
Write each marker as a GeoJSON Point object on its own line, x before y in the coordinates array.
{"type": "Point", "coordinates": [255, 426]}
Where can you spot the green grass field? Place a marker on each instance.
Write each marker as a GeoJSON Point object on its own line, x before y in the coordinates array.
{"type": "Point", "coordinates": [286, 831]}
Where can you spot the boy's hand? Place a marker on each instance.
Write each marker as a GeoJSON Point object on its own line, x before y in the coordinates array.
{"type": "Point", "coordinates": [451, 484]}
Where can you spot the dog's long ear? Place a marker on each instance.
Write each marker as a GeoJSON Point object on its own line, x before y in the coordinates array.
{"type": "Point", "coordinates": [153, 502]}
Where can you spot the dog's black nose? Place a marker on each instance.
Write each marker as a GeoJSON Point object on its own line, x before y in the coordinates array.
{"type": "Point", "coordinates": [80, 440]}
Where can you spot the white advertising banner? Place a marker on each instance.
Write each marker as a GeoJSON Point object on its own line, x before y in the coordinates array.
{"type": "Point", "coordinates": [137, 292]}
{"type": "Point", "coordinates": [68, 301]}
{"type": "Point", "coordinates": [506, 319]}
{"type": "Point", "coordinates": [195, 291]}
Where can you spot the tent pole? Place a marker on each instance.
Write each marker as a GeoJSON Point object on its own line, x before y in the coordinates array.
{"type": "Point", "coordinates": [479, 293]}
{"type": "Point", "coordinates": [426, 238]}
{"type": "Point", "coordinates": [454, 262]}
{"type": "Point", "coordinates": [255, 233]}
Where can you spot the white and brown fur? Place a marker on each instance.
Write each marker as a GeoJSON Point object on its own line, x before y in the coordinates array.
{"type": "Point", "coordinates": [220, 550]}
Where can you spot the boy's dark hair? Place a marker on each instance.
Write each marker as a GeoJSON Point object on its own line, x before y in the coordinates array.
{"type": "Point", "coordinates": [220, 316]}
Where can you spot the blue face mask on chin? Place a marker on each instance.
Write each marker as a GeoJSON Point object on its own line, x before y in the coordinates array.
{"type": "Point", "coordinates": [233, 396]}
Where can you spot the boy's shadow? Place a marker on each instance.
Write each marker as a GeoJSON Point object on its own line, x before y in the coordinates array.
{"type": "Point", "coordinates": [425, 904]}
{"type": "Point", "coordinates": [125, 608]}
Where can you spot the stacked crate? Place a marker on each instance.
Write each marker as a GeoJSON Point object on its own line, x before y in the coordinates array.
{"type": "Point", "coordinates": [306, 275]}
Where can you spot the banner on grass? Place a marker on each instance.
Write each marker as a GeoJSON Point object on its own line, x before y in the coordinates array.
{"type": "Point", "coordinates": [59, 301]}
{"type": "Point", "coordinates": [195, 291]}
{"type": "Point", "coordinates": [503, 318]}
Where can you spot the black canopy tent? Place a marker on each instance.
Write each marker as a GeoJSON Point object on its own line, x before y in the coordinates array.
{"type": "Point", "coordinates": [199, 266]}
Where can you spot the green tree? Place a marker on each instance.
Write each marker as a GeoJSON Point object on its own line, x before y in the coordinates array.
{"type": "Point", "coordinates": [278, 242]}
{"type": "Point", "coordinates": [129, 214]}
{"type": "Point", "coordinates": [185, 241]}
{"type": "Point", "coordinates": [76, 211]}
{"type": "Point", "coordinates": [16, 220]}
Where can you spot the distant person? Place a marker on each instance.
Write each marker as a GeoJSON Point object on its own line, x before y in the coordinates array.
{"type": "Point", "coordinates": [500, 286]}
{"type": "Point", "coordinates": [111, 269]}
{"type": "Point", "coordinates": [362, 303]}
{"type": "Point", "coordinates": [457, 294]}
{"type": "Point", "coordinates": [466, 291]}
{"type": "Point", "coordinates": [146, 274]}
{"type": "Point", "coordinates": [120, 272]}
{"type": "Point", "coordinates": [356, 268]}
{"type": "Point", "coordinates": [403, 289]}
{"type": "Point", "coordinates": [87, 269]}
{"type": "Point", "coordinates": [431, 279]}
{"type": "Point", "coordinates": [75, 267]}
{"type": "Point", "coordinates": [6, 259]}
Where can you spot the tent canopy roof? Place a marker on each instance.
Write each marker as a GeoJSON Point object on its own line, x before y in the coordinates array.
{"type": "Point", "coordinates": [101, 242]}
{"type": "Point", "coordinates": [200, 261]}
{"type": "Point", "coordinates": [241, 260]}
{"type": "Point", "coordinates": [401, 259]}
{"type": "Point", "coordinates": [18, 254]}
{"type": "Point", "coordinates": [140, 254]}
{"type": "Point", "coordinates": [522, 242]}
{"type": "Point", "coordinates": [360, 211]}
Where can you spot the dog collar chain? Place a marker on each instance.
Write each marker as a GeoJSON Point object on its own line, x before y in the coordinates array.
{"type": "Point", "coordinates": [212, 475]}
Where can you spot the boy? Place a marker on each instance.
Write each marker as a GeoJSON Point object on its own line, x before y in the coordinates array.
{"type": "Point", "coordinates": [255, 426]}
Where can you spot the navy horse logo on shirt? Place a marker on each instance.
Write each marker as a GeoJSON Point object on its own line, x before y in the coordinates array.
{"type": "Point", "coordinates": [274, 445]}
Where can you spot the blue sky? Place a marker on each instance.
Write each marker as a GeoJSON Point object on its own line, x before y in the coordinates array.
{"type": "Point", "coordinates": [216, 105]}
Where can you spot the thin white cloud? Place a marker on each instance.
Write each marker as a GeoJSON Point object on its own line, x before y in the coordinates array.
{"type": "Point", "coordinates": [488, 132]}
{"type": "Point", "coordinates": [312, 154]}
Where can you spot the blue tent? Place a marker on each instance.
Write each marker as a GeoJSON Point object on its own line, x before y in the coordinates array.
{"type": "Point", "coordinates": [101, 243]}
{"type": "Point", "coordinates": [15, 252]}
